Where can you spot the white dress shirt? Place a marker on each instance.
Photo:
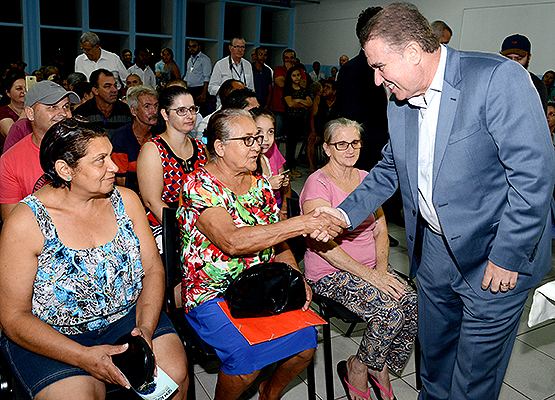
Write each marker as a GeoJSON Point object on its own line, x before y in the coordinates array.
{"type": "Point", "coordinates": [146, 75]}
{"type": "Point", "coordinates": [315, 78]}
{"type": "Point", "coordinates": [107, 60]}
{"type": "Point", "coordinates": [428, 106]}
{"type": "Point", "coordinates": [226, 69]}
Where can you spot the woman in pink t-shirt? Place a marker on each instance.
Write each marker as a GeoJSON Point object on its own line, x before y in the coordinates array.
{"type": "Point", "coordinates": [353, 270]}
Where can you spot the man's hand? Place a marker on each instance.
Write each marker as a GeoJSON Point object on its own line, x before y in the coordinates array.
{"type": "Point", "coordinates": [324, 235]}
{"type": "Point", "coordinates": [201, 98]}
{"type": "Point", "coordinates": [497, 278]}
{"type": "Point", "coordinates": [331, 211]}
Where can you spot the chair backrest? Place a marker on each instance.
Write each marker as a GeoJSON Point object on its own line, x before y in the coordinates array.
{"type": "Point", "coordinates": [296, 244]}
{"type": "Point", "coordinates": [131, 181]}
{"type": "Point", "coordinates": [172, 253]}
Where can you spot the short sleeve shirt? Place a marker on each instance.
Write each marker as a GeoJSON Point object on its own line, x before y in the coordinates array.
{"type": "Point", "coordinates": [207, 270]}
{"type": "Point", "coordinates": [358, 243]}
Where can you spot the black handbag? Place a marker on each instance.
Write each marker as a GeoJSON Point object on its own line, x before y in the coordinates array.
{"type": "Point", "coordinates": [266, 289]}
{"type": "Point", "coordinates": [136, 363]}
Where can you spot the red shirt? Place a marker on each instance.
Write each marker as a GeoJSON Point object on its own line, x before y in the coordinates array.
{"type": "Point", "coordinates": [19, 171]}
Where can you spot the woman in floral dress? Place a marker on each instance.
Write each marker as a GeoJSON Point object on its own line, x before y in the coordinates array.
{"type": "Point", "coordinates": [229, 220]}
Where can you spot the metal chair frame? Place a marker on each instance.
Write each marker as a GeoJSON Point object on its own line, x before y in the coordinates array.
{"type": "Point", "coordinates": [198, 351]}
{"type": "Point", "coordinates": [329, 308]}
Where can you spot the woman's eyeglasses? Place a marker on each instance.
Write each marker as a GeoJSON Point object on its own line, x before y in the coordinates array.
{"type": "Point", "coordinates": [249, 140]}
{"type": "Point", "coordinates": [342, 146]}
{"type": "Point", "coordinates": [183, 111]}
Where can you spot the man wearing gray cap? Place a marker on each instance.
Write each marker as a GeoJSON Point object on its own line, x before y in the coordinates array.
{"type": "Point", "coordinates": [46, 103]}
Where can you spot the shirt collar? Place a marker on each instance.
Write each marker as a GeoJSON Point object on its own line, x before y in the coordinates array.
{"type": "Point", "coordinates": [102, 55]}
{"type": "Point", "coordinates": [437, 83]}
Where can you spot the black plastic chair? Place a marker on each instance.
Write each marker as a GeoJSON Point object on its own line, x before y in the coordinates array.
{"type": "Point", "coordinates": [9, 388]}
{"type": "Point", "coordinates": [198, 351]}
{"type": "Point", "coordinates": [131, 181]}
{"type": "Point", "coordinates": [329, 308]}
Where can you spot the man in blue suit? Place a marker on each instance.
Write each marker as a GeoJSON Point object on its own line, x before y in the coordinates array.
{"type": "Point", "coordinates": [470, 150]}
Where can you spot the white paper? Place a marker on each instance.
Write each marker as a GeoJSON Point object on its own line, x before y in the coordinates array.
{"type": "Point", "coordinates": [543, 306]}
{"type": "Point", "coordinates": [161, 388]}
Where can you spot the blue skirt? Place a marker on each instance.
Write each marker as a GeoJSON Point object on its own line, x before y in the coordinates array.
{"type": "Point", "coordinates": [238, 357]}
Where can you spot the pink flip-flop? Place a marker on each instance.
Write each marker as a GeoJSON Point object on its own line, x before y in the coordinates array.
{"type": "Point", "coordinates": [342, 372]}
{"type": "Point", "coordinates": [378, 388]}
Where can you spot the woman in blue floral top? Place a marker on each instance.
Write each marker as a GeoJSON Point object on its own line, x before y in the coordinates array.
{"type": "Point", "coordinates": [80, 269]}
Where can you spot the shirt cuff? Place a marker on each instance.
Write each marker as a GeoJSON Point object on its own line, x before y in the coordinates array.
{"type": "Point", "coordinates": [347, 219]}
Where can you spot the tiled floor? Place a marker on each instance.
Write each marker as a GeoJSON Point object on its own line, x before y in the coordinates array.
{"type": "Point", "coordinates": [531, 372]}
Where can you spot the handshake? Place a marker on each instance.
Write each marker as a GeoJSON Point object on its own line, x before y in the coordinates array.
{"type": "Point", "coordinates": [325, 223]}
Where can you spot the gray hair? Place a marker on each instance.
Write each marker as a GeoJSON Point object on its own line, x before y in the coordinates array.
{"type": "Point", "coordinates": [220, 127]}
{"type": "Point", "coordinates": [333, 126]}
{"type": "Point", "coordinates": [439, 27]}
{"type": "Point", "coordinates": [75, 77]}
{"type": "Point", "coordinates": [90, 37]}
{"type": "Point", "coordinates": [236, 38]}
{"type": "Point", "coordinates": [399, 24]}
{"type": "Point", "coordinates": [134, 92]}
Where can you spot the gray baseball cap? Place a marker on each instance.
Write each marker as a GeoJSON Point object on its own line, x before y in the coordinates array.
{"type": "Point", "coordinates": [48, 92]}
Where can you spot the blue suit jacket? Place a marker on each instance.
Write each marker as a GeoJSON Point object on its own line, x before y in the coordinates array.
{"type": "Point", "coordinates": [493, 174]}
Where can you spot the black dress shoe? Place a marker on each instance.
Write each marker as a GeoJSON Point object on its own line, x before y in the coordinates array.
{"type": "Point", "coordinates": [393, 242]}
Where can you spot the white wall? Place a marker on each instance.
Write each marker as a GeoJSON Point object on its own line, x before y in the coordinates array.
{"type": "Point", "coordinates": [325, 31]}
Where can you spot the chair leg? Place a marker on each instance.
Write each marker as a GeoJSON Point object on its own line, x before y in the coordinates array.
{"type": "Point", "coordinates": [417, 361]}
{"type": "Point", "coordinates": [350, 329]}
{"type": "Point", "coordinates": [328, 363]}
{"type": "Point", "coordinates": [311, 381]}
{"type": "Point", "coordinates": [191, 391]}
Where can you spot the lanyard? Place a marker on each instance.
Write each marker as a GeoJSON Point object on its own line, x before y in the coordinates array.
{"type": "Point", "coordinates": [239, 75]}
{"type": "Point", "coordinates": [193, 61]}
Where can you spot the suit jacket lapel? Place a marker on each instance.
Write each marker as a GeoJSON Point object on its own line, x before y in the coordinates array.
{"type": "Point", "coordinates": [447, 108]}
{"type": "Point", "coordinates": [447, 112]}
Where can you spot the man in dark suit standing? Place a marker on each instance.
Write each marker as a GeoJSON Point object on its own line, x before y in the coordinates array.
{"type": "Point", "coordinates": [361, 100]}
{"type": "Point", "coordinates": [471, 152]}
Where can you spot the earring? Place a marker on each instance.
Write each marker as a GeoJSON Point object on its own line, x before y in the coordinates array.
{"type": "Point", "coordinates": [69, 178]}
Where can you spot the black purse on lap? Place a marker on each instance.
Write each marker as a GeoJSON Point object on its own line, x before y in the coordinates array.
{"type": "Point", "coordinates": [266, 289]}
{"type": "Point", "coordinates": [136, 363]}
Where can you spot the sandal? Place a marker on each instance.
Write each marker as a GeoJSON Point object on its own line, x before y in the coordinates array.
{"type": "Point", "coordinates": [342, 372]}
{"type": "Point", "coordinates": [379, 388]}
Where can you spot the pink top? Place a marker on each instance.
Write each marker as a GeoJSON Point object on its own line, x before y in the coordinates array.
{"type": "Point", "coordinates": [358, 243]}
{"type": "Point", "coordinates": [19, 171]}
{"type": "Point", "coordinates": [6, 113]}
{"type": "Point", "coordinates": [18, 131]}
{"type": "Point", "coordinates": [276, 161]}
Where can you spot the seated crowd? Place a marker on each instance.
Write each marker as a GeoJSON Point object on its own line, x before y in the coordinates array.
{"type": "Point", "coordinates": [63, 177]}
